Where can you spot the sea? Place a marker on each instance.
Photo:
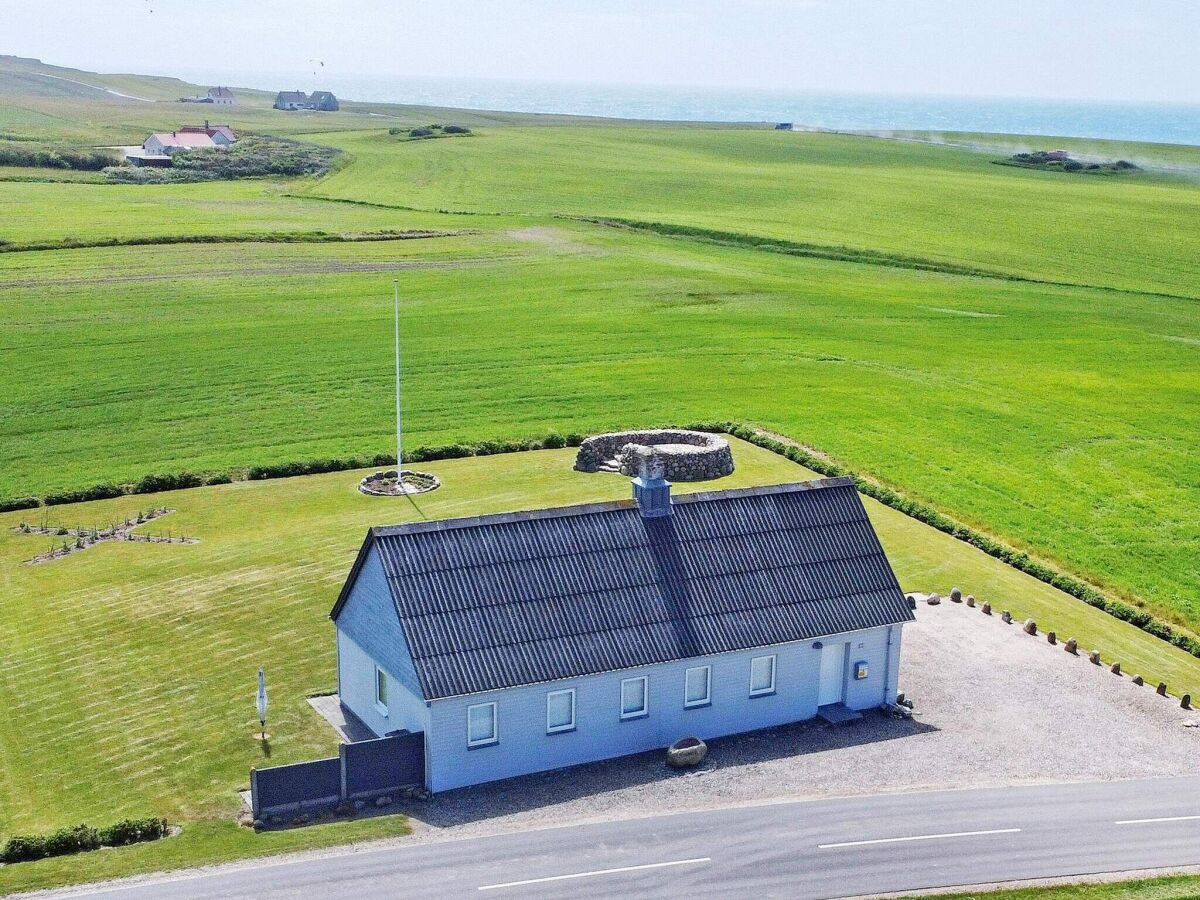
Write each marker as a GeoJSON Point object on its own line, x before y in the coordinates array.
{"type": "Point", "coordinates": [1151, 122]}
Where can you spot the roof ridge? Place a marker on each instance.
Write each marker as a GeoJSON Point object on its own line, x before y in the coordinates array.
{"type": "Point", "coordinates": [583, 509]}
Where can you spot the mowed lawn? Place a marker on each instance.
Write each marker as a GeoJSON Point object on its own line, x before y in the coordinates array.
{"type": "Point", "coordinates": [1061, 419]}
{"type": "Point", "coordinates": [943, 203]}
{"type": "Point", "coordinates": [128, 683]}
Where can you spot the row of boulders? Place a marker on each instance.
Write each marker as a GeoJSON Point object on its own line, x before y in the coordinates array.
{"type": "Point", "coordinates": [347, 809]}
{"type": "Point", "coordinates": [1071, 646]}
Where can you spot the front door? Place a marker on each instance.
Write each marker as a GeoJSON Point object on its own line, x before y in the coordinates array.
{"type": "Point", "coordinates": [832, 687]}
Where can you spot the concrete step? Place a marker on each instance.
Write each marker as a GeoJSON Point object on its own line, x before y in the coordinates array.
{"type": "Point", "coordinates": [838, 714]}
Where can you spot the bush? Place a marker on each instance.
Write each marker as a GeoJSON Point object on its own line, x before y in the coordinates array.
{"type": "Point", "coordinates": [96, 492]}
{"type": "Point", "coordinates": [47, 158]}
{"type": "Point", "coordinates": [81, 838]}
{"type": "Point", "coordinates": [15, 503]}
{"type": "Point", "coordinates": [152, 484]}
{"type": "Point", "coordinates": [456, 129]}
{"type": "Point", "coordinates": [134, 831]}
{"type": "Point", "coordinates": [554, 441]}
{"type": "Point", "coordinates": [420, 132]}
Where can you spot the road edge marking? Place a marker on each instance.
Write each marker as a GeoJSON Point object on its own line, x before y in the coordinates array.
{"type": "Point", "coordinates": [658, 865]}
{"type": "Point", "coordinates": [917, 837]}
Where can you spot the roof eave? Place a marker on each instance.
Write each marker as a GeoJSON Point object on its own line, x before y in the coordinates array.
{"type": "Point", "coordinates": [359, 561]}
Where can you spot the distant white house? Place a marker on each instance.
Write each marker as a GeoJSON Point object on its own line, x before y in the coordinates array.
{"type": "Point", "coordinates": [158, 149]}
{"type": "Point", "coordinates": [168, 143]}
{"type": "Point", "coordinates": [219, 96]}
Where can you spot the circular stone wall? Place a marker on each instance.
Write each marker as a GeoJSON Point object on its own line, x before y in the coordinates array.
{"type": "Point", "coordinates": [686, 455]}
{"type": "Point", "coordinates": [384, 484]}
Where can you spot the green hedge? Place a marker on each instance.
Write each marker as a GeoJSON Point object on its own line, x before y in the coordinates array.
{"type": "Point", "coordinates": [81, 838]}
{"type": "Point", "coordinates": [173, 481]}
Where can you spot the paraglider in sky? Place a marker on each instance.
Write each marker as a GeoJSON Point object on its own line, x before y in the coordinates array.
{"type": "Point", "coordinates": [317, 64]}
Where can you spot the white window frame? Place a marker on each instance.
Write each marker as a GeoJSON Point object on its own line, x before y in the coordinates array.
{"type": "Point", "coordinates": [381, 678]}
{"type": "Point", "coordinates": [484, 742]}
{"type": "Point", "coordinates": [763, 692]}
{"type": "Point", "coordinates": [706, 700]}
{"type": "Point", "coordinates": [559, 729]}
{"type": "Point", "coordinates": [645, 710]}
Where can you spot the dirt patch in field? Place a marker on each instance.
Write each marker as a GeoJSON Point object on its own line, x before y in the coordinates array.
{"type": "Point", "coordinates": [555, 239]}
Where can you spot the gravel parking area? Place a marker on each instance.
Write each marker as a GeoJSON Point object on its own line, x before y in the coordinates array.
{"type": "Point", "coordinates": [994, 706]}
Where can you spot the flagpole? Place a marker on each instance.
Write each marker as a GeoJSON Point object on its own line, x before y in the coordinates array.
{"type": "Point", "coordinates": [399, 441]}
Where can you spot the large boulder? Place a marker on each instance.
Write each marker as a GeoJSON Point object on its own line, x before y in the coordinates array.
{"type": "Point", "coordinates": [686, 752]}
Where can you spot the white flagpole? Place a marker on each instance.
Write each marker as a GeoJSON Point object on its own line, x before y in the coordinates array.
{"type": "Point", "coordinates": [399, 441]}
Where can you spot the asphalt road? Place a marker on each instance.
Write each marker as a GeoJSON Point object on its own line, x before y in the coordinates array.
{"type": "Point", "coordinates": [813, 849]}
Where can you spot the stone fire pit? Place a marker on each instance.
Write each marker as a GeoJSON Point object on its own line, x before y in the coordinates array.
{"type": "Point", "coordinates": [685, 455]}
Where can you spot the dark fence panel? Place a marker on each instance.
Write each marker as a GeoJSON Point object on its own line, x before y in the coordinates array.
{"type": "Point", "coordinates": [385, 764]}
{"type": "Point", "coordinates": [291, 787]}
{"type": "Point", "coordinates": [360, 770]}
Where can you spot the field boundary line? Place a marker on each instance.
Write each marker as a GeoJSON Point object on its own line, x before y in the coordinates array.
{"type": "Point", "coordinates": [273, 237]}
{"type": "Point", "coordinates": [861, 255]}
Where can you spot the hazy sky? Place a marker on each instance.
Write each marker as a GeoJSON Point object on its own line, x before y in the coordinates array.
{"type": "Point", "coordinates": [1104, 49]}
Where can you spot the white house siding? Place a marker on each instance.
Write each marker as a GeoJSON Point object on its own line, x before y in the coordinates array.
{"type": "Point", "coordinates": [369, 634]}
{"type": "Point", "coordinates": [524, 746]}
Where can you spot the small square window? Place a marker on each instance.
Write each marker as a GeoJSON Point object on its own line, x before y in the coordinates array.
{"type": "Point", "coordinates": [762, 676]}
{"type": "Point", "coordinates": [633, 698]}
{"type": "Point", "coordinates": [481, 725]}
{"type": "Point", "coordinates": [381, 690]}
{"type": "Point", "coordinates": [560, 711]}
{"type": "Point", "coordinates": [697, 684]}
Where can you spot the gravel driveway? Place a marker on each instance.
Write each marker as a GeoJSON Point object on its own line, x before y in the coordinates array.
{"type": "Point", "coordinates": [994, 706]}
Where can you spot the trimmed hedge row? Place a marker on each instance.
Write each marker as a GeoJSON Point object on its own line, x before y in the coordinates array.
{"type": "Point", "coordinates": [81, 838]}
{"type": "Point", "coordinates": [173, 481]}
{"type": "Point", "coordinates": [250, 237]}
{"type": "Point", "coordinates": [1018, 559]}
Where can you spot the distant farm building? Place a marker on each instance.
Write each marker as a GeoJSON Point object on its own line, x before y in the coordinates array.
{"type": "Point", "coordinates": [321, 101]}
{"type": "Point", "coordinates": [219, 96]}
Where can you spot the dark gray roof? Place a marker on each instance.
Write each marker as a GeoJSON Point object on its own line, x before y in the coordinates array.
{"type": "Point", "coordinates": [499, 601]}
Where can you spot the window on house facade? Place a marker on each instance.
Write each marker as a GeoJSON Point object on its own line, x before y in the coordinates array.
{"type": "Point", "coordinates": [381, 689]}
{"type": "Point", "coordinates": [762, 676]}
{"type": "Point", "coordinates": [633, 698]}
{"type": "Point", "coordinates": [697, 686]}
{"type": "Point", "coordinates": [560, 711]}
{"type": "Point", "coordinates": [481, 725]}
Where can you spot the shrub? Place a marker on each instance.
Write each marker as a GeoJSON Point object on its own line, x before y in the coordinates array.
{"type": "Point", "coordinates": [151, 484]}
{"type": "Point", "coordinates": [96, 492]}
{"type": "Point", "coordinates": [420, 132]}
{"type": "Point", "coordinates": [134, 831]}
{"type": "Point", "coordinates": [81, 838]}
{"type": "Point", "coordinates": [84, 160]}
{"type": "Point", "coordinates": [15, 503]}
{"type": "Point", "coordinates": [456, 129]}
{"type": "Point", "coordinates": [554, 441]}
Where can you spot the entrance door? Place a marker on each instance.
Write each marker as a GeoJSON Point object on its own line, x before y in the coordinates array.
{"type": "Point", "coordinates": [832, 687]}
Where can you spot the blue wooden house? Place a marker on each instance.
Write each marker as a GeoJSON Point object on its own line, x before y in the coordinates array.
{"type": "Point", "coordinates": [529, 641]}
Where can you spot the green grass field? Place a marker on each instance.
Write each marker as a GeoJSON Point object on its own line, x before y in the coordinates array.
{"type": "Point", "coordinates": [161, 721]}
{"type": "Point", "coordinates": [918, 200]}
{"type": "Point", "coordinates": [1001, 402]}
{"type": "Point", "coordinates": [1062, 419]}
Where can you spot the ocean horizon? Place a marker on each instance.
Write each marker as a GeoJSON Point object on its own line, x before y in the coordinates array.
{"type": "Point", "coordinates": [1167, 123]}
